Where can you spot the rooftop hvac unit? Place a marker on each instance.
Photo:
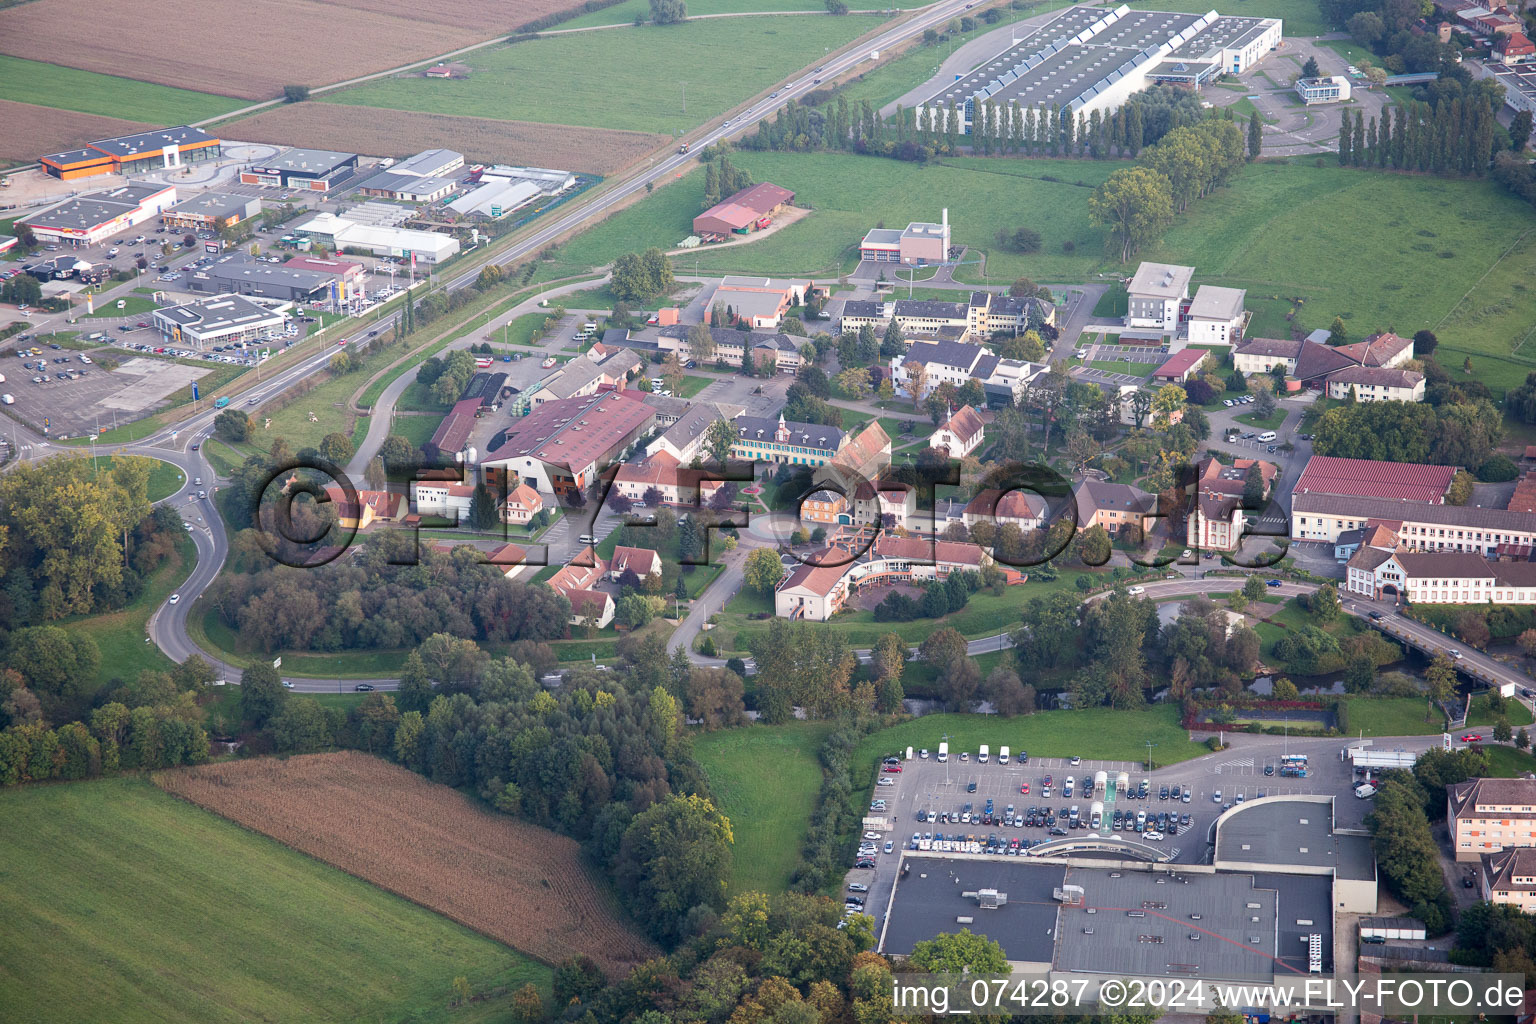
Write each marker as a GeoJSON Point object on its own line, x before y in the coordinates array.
{"type": "Point", "coordinates": [1071, 895]}
{"type": "Point", "coordinates": [991, 899]}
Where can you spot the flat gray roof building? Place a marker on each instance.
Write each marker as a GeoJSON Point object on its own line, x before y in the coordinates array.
{"type": "Point", "coordinates": [1169, 924]}
{"type": "Point", "coordinates": [928, 901]}
{"type": "Point", "coordinates": [1092, 58]}
{"type": "Point", "coordinates": [1290, 833]}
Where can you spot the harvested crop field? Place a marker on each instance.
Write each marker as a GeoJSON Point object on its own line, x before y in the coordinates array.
{"type": "Point", "coordinates": [523, 885]}
{"type": "Point", "coordinates": [31, 131]}
{"type": "Point", "coordinates": [299, 40]}
{"type": "Point", "coordinates": [376, 131]}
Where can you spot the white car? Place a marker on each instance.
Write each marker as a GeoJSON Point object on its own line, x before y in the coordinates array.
{"type": "Point", "coordinates": [287, 685]}
{"type": "Point", "coordinates": [175, 598]}
{"type": "Point", "coordinates": [871, 835]}
{"type": "Point", "coordinates": [887, 781]}
{"type": "Point", "coordinates": [1136, 591]}
{"type": "Point", "coordinates": [1155, 837]}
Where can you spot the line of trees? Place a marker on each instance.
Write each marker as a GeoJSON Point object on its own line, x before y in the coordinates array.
{"type": "Point", "coordinates": [1453, 138]}
{"type": "Point", "coordinates": [1135, 204]}
{"type": "Point", "coordinates": [997, 129]}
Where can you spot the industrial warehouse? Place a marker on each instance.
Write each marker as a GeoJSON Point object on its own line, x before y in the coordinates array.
{"type": "Point", "coordinates": [1090, 59]}
{"type": "Point", "coordinates": [89, 219]}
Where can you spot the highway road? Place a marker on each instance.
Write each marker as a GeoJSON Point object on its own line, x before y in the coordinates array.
{"type": "Point", "coordinates": [168, 624]}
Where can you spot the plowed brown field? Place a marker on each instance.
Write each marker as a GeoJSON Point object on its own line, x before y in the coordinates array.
{"type": "Point", "coordinates": [32, 131]}
{"type": "Point", "coordinates": [251, 50]}
{"type": "Point", "coordinates": [375, 131]}
{"type": "Point", "coordinates": [522, 885]}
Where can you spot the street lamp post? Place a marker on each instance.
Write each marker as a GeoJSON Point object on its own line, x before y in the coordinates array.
{"type": "Point", "coordinates": [945, 739]}
{"type": "Point", "coordinates": [1150, 745]}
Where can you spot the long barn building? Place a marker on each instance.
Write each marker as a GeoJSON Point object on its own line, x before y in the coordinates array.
{"type": "Point", "coordinates": [1091, 59]}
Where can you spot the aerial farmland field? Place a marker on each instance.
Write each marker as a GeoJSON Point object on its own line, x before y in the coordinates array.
{"type": "Point", "coordinates": [379, 132]}
{"type": "Point", "coordinates": [121, 903]}
{"type": "Point", "coordinates": [298, 40]}
{"type": "Point", "coordinates": [30, 130]}
{"type": "Point", "coordinates": [513, 881]}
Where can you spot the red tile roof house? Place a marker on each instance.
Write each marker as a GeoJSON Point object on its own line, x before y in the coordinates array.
{"type": "Point", "coordinates": [576, 580]}
{"type": "Point", "coordinates": [1216, 517]}
{"type": "Point", "coordinates": [1024, 509]}
{"type": "Point", "coordinates": [642, 562]}
{"type": "Point", "coordinates": [522, 504]}
{"type": "Point", "coordinates": [959, 435]}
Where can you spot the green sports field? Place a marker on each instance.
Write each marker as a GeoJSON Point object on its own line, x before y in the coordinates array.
{"type": "Point", "coordinates": [765, 779]}
{"type": "Point", "coordinates": [124, 904]}
{"type": "Point", "coordinates": [50, 85]}
{"type": "Point", "coordinates": [623, 78]}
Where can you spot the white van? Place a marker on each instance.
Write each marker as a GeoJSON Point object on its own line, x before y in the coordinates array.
{"type": "Point", "coordinates": [1268, 435]}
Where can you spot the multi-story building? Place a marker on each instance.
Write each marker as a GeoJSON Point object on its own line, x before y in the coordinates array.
{"type": "Point", "coordinates": [761, 439]}
{"type": "Point", "coordinates": [760, 301]}
{"type": "Point", "coordinates": [729, 346]}
{"type": "Point", "coordinates": [1509, 878]}
{"type": "Point", "coordinates": [564, 445]}
{"type": "Point", "coordinates": [444, 498]}
{"type": "Point", "coordinates": [577, 582]}
{"type": "Point", "coordinates": [1115, 507]}
{"type": "Point", "coordinates": [642, 562]}
{"type": "Point", "coordinates": [1376, 384]}
{"type": "Point", "coordinates": [812, 592]}
{"type": "Point", "coordinates": [1488, 815]}
{"type": "Point", "coordinates": [919, 244]}
{"type": "Point", "coordinates": [1216, 519]}
{"type": "Point", "coordinates": [584, 376]}
{"type": "Point", "coordinates": [1024, 509]}
{"type": "Point", "coordinates": [1216, 316]}
{"type": "Point", "coordinates": [1156, 296]}
{"type": "Point", "coordinates": [1334, 496]}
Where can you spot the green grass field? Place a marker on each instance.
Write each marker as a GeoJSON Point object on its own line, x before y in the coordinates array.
{"type": "Point", "coordinates": [626, 13]}
{"type": "Point", "coordinates": [1301, 17]}
{"type": "Point", "coordinates": [1123, 366]}
{"type": "Point", "coordinates": [133, 305]}
{"type": "Point", "coordinates": [1269, 422]}
{"type": "Point", "coordinates": [51, 85]}
{"type": "Point", "coordinates": [1102, 733]}
{"type": "Point", "coordinates": [120, 634]}
{"type": "Point", "coordinates": [164, 478]}
{"type": "Point", "coordinates": [416, 429]}
{"type": "Point", "coordinates": [765, 779]}
{"type": "Point", "coordinates": [1455, 256]}
{"type": "Point", "coordinates": [1507, 762]}
{"type": "Point", "coordinates": [615, 79]}
{"type": "Point", "coordinates": [122, 903]}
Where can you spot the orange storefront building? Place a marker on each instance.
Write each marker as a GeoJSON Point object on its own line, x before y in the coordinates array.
{"type": "Point", "coordinates": [127, 154]}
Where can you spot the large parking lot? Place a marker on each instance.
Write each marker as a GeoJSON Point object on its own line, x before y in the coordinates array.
{"type": "Point", "coordinates": [1214, 783]}
{"type": "Point", "coordinates": [76, 395]}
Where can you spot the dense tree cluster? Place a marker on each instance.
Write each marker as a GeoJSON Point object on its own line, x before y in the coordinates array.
{"type": "Point", "coordinates": [153, 722]}
{"type": "Point", "coordinates": [939, 598]}
{"type": "Point", "coordinates": [376, 598]}
{"type": "Point", "coordinates": [1406, 853]}
{"type": "Point", "coordinates": [74, 541]}
{"type": "Point", "coordinates": [1190, 161]}
{"type": "Point", "coordinates": [722, 179]}
{"type": "Point", "coordinates": [1452, 434]}
{"type": "Point", "coordinates": [642, 276]}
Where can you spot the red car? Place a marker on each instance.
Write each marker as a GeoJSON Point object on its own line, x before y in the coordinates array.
{"type": "Point", "coordinates": [1045, 781]}
{"type": "Point", "coordinates": [1024, 789]}
{"type": "Point", "coordinates": [1472, 737]}
{"type": "Point", "coordinates": [893, 769]}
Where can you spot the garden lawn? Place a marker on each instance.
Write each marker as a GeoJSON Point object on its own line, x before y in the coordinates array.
{"type": "Point", "coordinates": [765, 779]}
{"type": "Point", "coordinates": [119, 635]}
{"type": "Point", "coordinates": [1392, 716]}
{"type": "Point", "coordinates": [1100, 733]}
{"type": "Point", "coordinates": [1269, 422]}
{"type": "Point", "coordinates": [416, 429]}
{"type": "Point", "coordinates": [1124, 366]}
{"type": "Point", "coordinates": [417, 397]}
{"type": "Point", "coordinates": [152, 910]}
{"type": "Point", "coordinates": [983, 615]}
{"type": "Point", "coordinates": [557, 80]}
{"type": "Point", "coordinates": [165, 479]}
{"type": "Point", "coordinates": [1517, 714]}
{"type": "Point", "coordinates": [52, 85]}
{"type": "Point", "coordinates": [1508, 762]}
{"type": "Point", "coordinates": [133, 305]}
{"type": "Point", "coordinates": [693, 385]}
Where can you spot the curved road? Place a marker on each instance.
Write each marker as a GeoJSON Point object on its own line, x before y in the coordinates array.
{"type": "Point", "coordinates": [168, 625]}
